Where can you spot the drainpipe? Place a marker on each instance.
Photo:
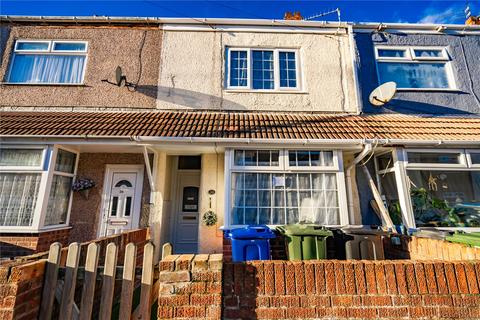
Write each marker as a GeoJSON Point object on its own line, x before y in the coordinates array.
{"type": "Point", "coordinates": [367, 148]}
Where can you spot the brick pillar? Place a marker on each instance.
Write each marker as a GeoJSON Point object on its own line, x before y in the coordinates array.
{"type": "Point", "coordinates": [21, 290]}
{"type": "Point", "coordinates": [190, 287]}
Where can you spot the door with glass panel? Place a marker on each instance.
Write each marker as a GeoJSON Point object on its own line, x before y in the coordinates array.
{"type": "Point", "coordinates": [122, 194]}
{"type": "Point", "coordinates": [187, 208]}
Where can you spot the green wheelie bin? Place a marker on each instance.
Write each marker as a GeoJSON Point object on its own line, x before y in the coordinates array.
{"type": "Point", "coordinates": [305, 241]}
{"type": "Point", "coordinates": [471, 239]}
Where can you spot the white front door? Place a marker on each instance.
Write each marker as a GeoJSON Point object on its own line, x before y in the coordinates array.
{"type": "Point", "coordinates": [186, 217]}
{"type": "Point", "coordinates": [122, 194]}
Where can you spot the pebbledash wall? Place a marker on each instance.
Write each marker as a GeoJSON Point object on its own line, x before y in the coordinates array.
{"type": "Point", "coordinates": [435, 283]}
{"type": "Point", "coordinates": [135, 48]}
{"type": "Point", "coordinates": [21, 280]}
{"type": "Point", "coordinates": [326, 70]}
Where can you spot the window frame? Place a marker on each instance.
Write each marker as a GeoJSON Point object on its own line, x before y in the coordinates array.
{"type": "Point", "coordinates": [401, 166]}
{"type": "Point", "coordinates": [283, 167]}
{"type": "Point", "coordinates": [50, 51]}
{"type": "Point", "coordinates": [25, 168]}
{"type": "Point", "coordinates": [47, 172]}
{"type": "Point", "coordinates": [410, 57]}
{"type": "Point", "coordinates": [276, 69]}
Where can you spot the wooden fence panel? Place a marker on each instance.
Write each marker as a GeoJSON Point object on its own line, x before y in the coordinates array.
{"type": "Point", "coordinates": [108, 281]}
{"type": "Point", "coordinates": [88, 291]}
{"type": "Point", "coordinates": [51, 276]}
{"type": "Point", "coordinates": [62, 290]}
{"type": "Point", "coordinates": [147, 281]}
{"type": "Point", "coordinates": [128, 281]}
{"type": "Point", "coordinates": [73, 257]}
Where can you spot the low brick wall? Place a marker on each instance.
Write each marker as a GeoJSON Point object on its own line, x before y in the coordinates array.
{"type": "Point", "coordinates": [190, 287]}
{"type": "Point", "coordinates": [351, 289]}
{"type": "Point", "coordinates": [21, 244]}
{"type": "Point", "coordinates": [21, 280]}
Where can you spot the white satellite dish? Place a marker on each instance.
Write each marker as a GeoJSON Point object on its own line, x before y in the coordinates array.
{"type": "Point", "coordinates": [383, 94]}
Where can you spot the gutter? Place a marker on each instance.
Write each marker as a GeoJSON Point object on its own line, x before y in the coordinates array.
{"type": "Point", "coordinates": [227, 21]}
{"type": "Point", "coordinates": [248, 141]}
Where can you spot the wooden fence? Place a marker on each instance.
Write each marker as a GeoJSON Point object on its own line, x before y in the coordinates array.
{"type": "Point", "coordinates": [61, 283]}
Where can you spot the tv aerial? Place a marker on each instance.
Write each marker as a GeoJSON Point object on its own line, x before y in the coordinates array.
{"type": "Point", "coordinates": [382, 94]}
{"type": "Point", "coordinates": [120, 79]}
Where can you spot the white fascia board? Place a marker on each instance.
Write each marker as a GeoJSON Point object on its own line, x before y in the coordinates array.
{"type": "Point", "coordinates": [149, 140]}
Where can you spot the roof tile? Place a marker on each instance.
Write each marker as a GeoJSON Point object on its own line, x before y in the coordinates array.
{"type": "Point", "coordinates": [240, 125]}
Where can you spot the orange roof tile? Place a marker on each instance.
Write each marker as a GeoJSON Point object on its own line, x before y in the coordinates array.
{"type": "Point", "coordinates": [239, 125]}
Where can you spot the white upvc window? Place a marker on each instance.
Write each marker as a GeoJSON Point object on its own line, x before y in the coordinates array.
{"type": "Point", "coordinates": [263, 69]}
{"type": "Point", "coordinates": [283, 186]}
{"type": "Point", "coordinates": [420, 68]}
{"type": "Point", "coordinates": [48, 62]}
{"type": "Point", "coordinates": [35, 187]}
{"type": "Point", "coordinates": [432, 187]}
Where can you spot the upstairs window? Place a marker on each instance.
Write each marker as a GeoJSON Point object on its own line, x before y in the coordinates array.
{"type": "Point", "coordinates": [263, 69]}
{"type": "Point", "coordinates": [414, 68]}
{"type": "Point", "coordinates": [48, 62]}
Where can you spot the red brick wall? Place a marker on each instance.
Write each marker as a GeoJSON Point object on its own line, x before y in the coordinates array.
{"type": "Point", "coordinates": [351, 289]}
{"type": "Point", "coordinates": [190, 287]}
{"type": "Point", "coordinates": [85, 213]}
{"type": "Point", "coordinates": [20, 290]}
{"type": "Point", "coordinates": [20, 244]}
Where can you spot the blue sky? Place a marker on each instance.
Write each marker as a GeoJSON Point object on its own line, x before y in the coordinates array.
{"type": "Point", "coordinates": [359, 11]}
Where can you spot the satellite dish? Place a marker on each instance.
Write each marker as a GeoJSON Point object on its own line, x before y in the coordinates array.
{"type": "Point", "coordinates": [120, 79]}
{"type": "Point", "coordinates": [383, 94]}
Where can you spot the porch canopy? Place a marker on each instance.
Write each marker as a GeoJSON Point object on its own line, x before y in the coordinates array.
{"type": "Point", "coordinates": [208, 126]}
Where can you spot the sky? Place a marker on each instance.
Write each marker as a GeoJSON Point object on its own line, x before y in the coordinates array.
{"type": "Point", "coordinates": [400, 11]}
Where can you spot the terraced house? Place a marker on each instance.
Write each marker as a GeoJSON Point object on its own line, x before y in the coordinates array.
{"type": "Point", "coordinates": [250, 121]}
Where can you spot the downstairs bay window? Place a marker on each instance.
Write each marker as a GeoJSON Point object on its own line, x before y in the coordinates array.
{"type": "Point", "coordinates": [35, 187]}
{"type": "Point", "coordinates": [277, 187]}
{"type": "Point", "coordinates": [437, 188]}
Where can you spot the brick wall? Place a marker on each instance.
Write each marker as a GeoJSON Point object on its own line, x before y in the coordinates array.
{"type": "Point", "coordinates": [20, 290]}
{"type": "Point", "coordinates": [21, 280]}
{"type": "Point", "coordinates": [20, 244]}
{"type": "Point", "coordinates": [351, 289]}
{"type": "Point", "coordinates": [85, 213]}
{"type": "Point", "coordinates": [190, 287]}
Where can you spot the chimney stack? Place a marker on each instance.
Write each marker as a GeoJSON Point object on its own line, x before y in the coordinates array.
{"type": "Point", "coordinates": [472, 20]}
{"type": "Point", "coordinates": [295, 16]}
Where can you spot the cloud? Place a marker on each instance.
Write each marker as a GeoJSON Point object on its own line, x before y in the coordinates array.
{"type": "Point", "coordinates": [450, 15]}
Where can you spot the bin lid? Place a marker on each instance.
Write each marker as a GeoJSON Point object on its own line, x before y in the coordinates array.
{"type": "Point", "coordinates": [471, 239]}
{"type": "Point", "coordinates": [252, 232]}
{"type": "Point", "coordinates": [364, 230]}
{"type": "Point", "coordinates": [432, 234]}
{"type": "Point", "coordinates": [305, 230]}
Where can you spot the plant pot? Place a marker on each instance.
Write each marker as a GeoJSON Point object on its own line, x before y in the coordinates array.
{"type": "Point", "coordinates": [85, 193]}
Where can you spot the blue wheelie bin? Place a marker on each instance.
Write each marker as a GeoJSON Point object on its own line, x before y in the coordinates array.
{"type": "Point", "coordinates": [251, 243]}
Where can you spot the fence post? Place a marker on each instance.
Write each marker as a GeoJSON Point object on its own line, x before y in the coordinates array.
{"type": "Point", "coordinates": [50, 283]}
{"type": "Point", "coordinates": [73, 257]}
{"type": "Point", "coordinates": [108, 281]}
{"type": "Point", "coordinates": [147, 280]}
{"type": "Point", "coordinates": [166, 250]}
{"type": "Point", "coordinates": [128, 281]}
{"type": "Point", "coordinates": [88, 291]}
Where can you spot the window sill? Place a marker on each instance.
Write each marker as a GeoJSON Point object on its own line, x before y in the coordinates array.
{"type": "Point", "coordinates": [28, 230]}
{"type": "Point", "coordinates": [44, 84]}
{"type": "Point", "coordinates": [429, 90]}
{"type": "Point", "coordinates": [265, 91]}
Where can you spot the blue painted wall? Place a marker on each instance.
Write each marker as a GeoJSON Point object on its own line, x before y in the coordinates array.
{"type": "Point", "coordinates": [465, 56]}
